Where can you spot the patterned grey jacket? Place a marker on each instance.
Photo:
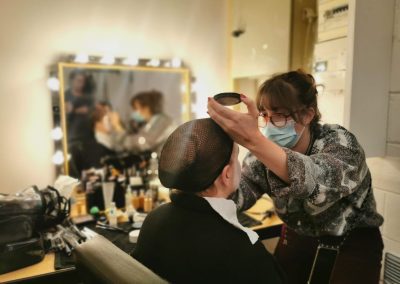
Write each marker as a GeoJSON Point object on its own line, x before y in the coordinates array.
{"type": "Point", "coordinates": [330, 189]}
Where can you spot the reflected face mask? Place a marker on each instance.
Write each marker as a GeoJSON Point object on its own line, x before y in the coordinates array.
{"type": "Point", "coordinates": [283, 136]}
{"type": "Point", "coordinates": [136, 116]}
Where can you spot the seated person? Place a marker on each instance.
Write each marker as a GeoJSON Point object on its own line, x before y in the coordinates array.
{"type": "Point", "coordinates": [100, 142]}
{"type": "Point", "coordinates": [197, 237]}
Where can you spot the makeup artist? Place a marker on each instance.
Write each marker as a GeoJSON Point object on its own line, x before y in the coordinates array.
{"type": "Point", "coordinates": [317, 177]}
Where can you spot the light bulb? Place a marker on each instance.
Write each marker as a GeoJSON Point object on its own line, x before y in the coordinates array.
{"type": "Point", "coordinates": [321, 66]}
{"type": "Point", "coordinates": [176, 62]}
{"type": "Point", "coordinates": [131, 61]}
{"type": "Point", "coordinates": [107, 59]}
{"type": "Point", "coordinates": [53, 84]}
{"type": "Point", "coordinates": [194, 87]}
{"type": "Point", "coordinates": [320, 89]}
{"type": "Point", "coordinates": [57, 133]}
{"type": "Point", "coordinates": [82, 58]}
{"type": "Point", "coordinates": [58, 157]}
{"type": "Point", "coordinates": [154, 155]}
{"type": "Point", "coordinates": [154, 62]}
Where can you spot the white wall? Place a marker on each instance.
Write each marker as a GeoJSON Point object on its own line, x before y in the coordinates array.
{"type": "Point", "coordinates": [264, 47]}
{"type": "Point", "coordinates": [386, 170]}
{"type": "Point", "coordinates": [34, 33]}
{"type": "Point", "coordinates": [368, 72]}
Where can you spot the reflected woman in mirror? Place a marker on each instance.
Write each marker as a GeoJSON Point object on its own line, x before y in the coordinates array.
{"type": "Point", "coordinates": [79, 103]}
{"type": "Point", "coordinates": [150, 125]}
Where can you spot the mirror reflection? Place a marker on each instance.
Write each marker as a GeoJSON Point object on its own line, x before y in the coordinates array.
{"type": "Point", "coordinates": [111, 111]}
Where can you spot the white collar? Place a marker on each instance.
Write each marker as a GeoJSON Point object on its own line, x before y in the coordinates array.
{"type": "Point", "coordinates": [104, 139]}
{"type": "Point", "coordinates": [226, 208]}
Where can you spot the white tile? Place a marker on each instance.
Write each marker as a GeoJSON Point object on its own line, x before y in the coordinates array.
{"type": "Point", "coordinates": [385, 173]}
{"type": "Point", "coordinates": [391, 229]}
{"type": "Point", "coordinates": [394, 118]}
{"type": "Point", "coordinates": [380, 201]}
{"type": "Point", "coordinates": [391, 246]}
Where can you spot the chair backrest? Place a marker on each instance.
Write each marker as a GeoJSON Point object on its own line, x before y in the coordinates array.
{"type": "Point", "coordinates": [100, 261]}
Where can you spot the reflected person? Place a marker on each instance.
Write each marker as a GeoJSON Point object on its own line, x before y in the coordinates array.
{"type": "Point", "coordinates": [79, 104]}
{"type": "Point", "coordinates": [154, 126]}
{"type": "Point", "coordinates": [88, 153]}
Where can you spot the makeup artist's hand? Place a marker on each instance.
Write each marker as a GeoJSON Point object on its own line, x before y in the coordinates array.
{"type": "Point", "coordinates": [241, 127]}
{"type": "Point", "coordinates": [115, 121]}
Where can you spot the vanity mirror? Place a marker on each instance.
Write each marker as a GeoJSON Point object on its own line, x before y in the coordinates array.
{"type": "Point", "coordinates": [104, 106]}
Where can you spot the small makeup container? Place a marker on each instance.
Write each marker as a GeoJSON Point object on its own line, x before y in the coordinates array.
{"type": "Point", "coordinates": [228, 98]}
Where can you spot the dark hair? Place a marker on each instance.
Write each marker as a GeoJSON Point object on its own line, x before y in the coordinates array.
{"type": "Point", "coordinates": [294, 91]}
{"type": "Point", "coordinates": [98, 112]}
{"type": "Point", "coordinates": [90, 86]}
{"type": "Point", "coordinates": [153, 99]}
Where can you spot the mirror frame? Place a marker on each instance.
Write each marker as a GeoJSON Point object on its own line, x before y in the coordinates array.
{"type": "Point", "coordinates": [185, 93]}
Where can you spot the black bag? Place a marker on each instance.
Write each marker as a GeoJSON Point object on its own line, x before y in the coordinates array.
{"type": "Point", "coordinates": [45, 208]}
{"type": "Point", "coordinates": [23, 216]}
{"type": "Point", "coordinates": [15, 255]}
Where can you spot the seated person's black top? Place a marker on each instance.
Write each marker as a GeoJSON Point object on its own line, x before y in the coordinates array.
{"type": "Point", "coordinates": [186, 241]}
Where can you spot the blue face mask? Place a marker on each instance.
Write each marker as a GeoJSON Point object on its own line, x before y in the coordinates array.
{"type": "Point", "coordinates": [283, 136]}
{"type": "Point", "coordinates": [136, 116]}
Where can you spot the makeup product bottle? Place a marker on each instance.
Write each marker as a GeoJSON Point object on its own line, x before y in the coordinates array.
{"type": "Point", "coordinates": [135, 200]}
{"type": "Point", "coordinates": [141, 199]}
{"type": "Point", "coordinates": [112, 215]}
{"type": "Point", "coordinates": [148, 202]}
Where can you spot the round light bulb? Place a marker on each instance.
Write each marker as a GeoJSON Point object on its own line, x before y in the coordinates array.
{"type": "Point", "coordinates": [154, 155]}
{"type": "Point", "coordinates": [82, 58]}
{"type": "Point", "coordinates": [131, 61]}
{"type": "Point", "coordinates": [58, 158]}
{"type": "Point", "coordinates": [141, 140]}
{"type": "Point", "coordinates": [107, 59]}
{"type": "Point", "coordinates": [154, 62]}
{"type": "Point", "coordinates": [57, 133]}
{"type": "Point", "coordinates": [176, 62]}
{"type": "Point", "coordinates": [53, 84]}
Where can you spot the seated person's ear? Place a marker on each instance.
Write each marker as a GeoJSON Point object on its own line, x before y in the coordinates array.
{"type": "Point", "coordinates": [226, 175]}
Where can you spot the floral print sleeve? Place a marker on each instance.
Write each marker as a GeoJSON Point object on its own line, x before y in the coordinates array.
{"type": "Point", "coordinates": [329, 191]}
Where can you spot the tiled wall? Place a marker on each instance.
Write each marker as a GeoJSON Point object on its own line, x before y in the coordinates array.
{"type": "Point", "coordinates": [386, 171]}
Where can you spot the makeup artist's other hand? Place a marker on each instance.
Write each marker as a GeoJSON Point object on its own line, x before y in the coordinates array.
{"type": "Point", "coordinates": [241, 127]}
{"type": "Point", "coordinates": [115, 121]}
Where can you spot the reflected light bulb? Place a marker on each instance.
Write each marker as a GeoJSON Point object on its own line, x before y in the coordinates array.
{"type": "Point", "coordinates": [58, 157]}
{"type": "Point", "coordinates": [154, 155]}
{"type": "Point", "coordinates": [183, 88]}
{"type": "Point", "coordinates": [57, 133]}
{"type": "Point", "coordinates": [82, 58]}
{"type": "Point", "coordinates": [53, 84]}
{"type": "Point", "coordinates": [142, 140]}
